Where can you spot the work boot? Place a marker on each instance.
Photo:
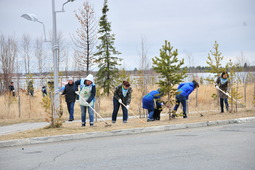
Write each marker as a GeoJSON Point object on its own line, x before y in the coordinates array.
{"type": "Point", "coordinates": [174, 114]}
{"type": "Point", "coordinates": [185, 115]}
{"type": "Point", "coordinates": [83, 124]}
{"type": "Point", "coordinates": [150, 120]}
{"type": "Point", "coordinates": [91, 124]}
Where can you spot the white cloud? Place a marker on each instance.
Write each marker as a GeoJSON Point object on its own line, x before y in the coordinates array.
{"type": "Point", "coordinates": [190, 25]}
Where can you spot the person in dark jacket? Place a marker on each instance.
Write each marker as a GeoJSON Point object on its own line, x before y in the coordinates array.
{"type": "Point", "coordinates": [122, 94]}
{"type": "Point", "coordinates": [70, 96]}
{"type": "Point", "coordinates": [87, 93]}
{"type": "Point", "coordinates": [44, 91]}
{"type": "Point", "coordinates": [12, 90]}
{"type": "Point", "coordinates": [222, 82]}
{"type": "Point", "coordinates": [30, 88]}
{"type": "Point", "coordinates": [183, 92]}
{"type": "Point", "coordinates": [152, 104]}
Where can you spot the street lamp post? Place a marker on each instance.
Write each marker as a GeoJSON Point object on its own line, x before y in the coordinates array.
{"type": "Point", "coordinates": [55, 50]}
{"type": "Point", "coordinates": [32, 17]}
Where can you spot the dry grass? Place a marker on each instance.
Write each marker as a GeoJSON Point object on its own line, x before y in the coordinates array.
{"type": "Point", "coordinates": [31, 108]}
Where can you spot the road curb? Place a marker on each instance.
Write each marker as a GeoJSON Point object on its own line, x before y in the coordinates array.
{"type": "Point", "coordinates": [59, 138]}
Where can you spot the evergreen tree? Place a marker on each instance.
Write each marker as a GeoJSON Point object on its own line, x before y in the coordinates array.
{"type": "Point", "coordinates": [169, 68]}
{"type": "Point", "coordinates": [234, 84]}
{"type": "Point", "coordinates": [123, 75]}
{"type": "Point", "coordinates": [215, 63]}
{"type": "Point", "coordinates": [107, 61]}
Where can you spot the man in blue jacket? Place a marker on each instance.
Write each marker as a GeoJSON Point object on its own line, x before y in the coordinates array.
{"type": "Point", "coordinates": [184, 90]}
{"type": "Point", "coordinates": [151, 101]}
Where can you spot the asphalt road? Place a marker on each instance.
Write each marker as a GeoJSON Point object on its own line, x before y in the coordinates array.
{"type": "Point", "coordinates": [219, 147]}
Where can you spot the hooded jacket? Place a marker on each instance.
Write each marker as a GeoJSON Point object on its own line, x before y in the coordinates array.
{"type": "Point", "coordinates": [81, 82]}
{"type": "Point", "coordinates": [185, 89]}
{"type": "Point", "coordinates": [148, 100]}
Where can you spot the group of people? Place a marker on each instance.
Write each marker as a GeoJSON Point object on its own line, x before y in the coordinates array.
{"type": "Point", "coordinates": [30, 89]}
{"type": "Point", "coordinates": [87, 92]}
{"type": "Point", "coordinates": [122, 97]}
{"type": "Point", "coordinates": [87, 97]}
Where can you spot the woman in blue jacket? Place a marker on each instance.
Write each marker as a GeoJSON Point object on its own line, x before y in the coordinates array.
{"type": "Point", "coordinates": [151, 101]}
{"type": "Point", "coordinates": [184, 90]}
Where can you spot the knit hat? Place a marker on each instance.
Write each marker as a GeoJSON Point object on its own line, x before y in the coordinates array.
{"type": "Point", "coordinates": [70, 78]}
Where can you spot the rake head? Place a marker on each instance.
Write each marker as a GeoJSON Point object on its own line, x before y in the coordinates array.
{"type": "Point", "coordinates": [108, 125]}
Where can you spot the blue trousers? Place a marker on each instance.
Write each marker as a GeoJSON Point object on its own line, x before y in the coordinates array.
{"type": "Point", "coordinates": [180, 99]}
{"type": "Point", "coordinates": [116, 106]}
{"type": "Point", "coordinates": [70, 108]}
{"type": "Point", "coordinates": [150, 113]}
{"type": "Point", "coordinates": [83, 114]}
{"type": "Point", "coordinates": [222, 101]}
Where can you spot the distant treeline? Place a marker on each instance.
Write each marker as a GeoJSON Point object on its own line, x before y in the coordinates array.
{"type": "Point", "coordinates": [198, 69]}
{"type": "Point", "coordinates": [202, 69]}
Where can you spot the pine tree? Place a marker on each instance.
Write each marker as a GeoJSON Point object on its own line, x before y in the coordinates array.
{"type": "Point", "coordinates": [107, 62]}
{"type": "Point", "coordinates": [216, 67]}
{"type": "Point", "coordinates": [215, 63]}
{"type": "Point", "coordinates": [234, 84]}
{"type": "Point", "coordinates": [171, 73]}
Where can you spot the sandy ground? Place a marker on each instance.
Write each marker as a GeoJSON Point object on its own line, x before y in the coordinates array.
{"type": "Point", "coordinates": [75, 127]}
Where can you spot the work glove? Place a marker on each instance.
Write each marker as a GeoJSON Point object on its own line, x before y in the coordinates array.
{"type": "Point", "coordinates": [217, 87]}
{"type": "Point", "coordinates": [120, 101]}
{"type": "Point", "coordinates": [127, 106]}
{"type": "Point", "coordinates": [227, 93]}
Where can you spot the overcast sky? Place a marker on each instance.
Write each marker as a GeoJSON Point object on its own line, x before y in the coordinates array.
{"type": "Point", "coordinates": [192, 26]}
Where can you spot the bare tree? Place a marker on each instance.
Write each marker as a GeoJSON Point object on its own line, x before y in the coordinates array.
{"type": "Point", "coordinates": [39, 56]}
{"type": "Point", "coordinates": [67, 63]}
{"type": "Point", "coordinates": [62, 53]}
{"type": "Point", "coordinates": [144, 67]}
{"type": "Point", "coordinates": [77, 67]}
{"type": "Point", "coordinates": [243, 75]}
{"type": "Point", "coordinates": [190, 59]}
{"type": "Point", "coordinates": [144, 60]}
{"type": "Point", "coordinates": [8, 52]}
{"type": "Point", "coordinates": [26, 46]}
{"type": "Point", "coordinates": [85, 39]}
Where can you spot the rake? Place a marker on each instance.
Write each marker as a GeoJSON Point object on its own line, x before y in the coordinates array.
{"type": "Point", "coordinates": [217, 87]}
{"type": "Point", "coordinates": [107, 124]}
{"type": "Point", "coordinates": [140, 120]}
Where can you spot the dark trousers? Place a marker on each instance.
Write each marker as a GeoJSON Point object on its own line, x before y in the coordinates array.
{"type": "Point", "coordinates": [157, 111]}
{"type": "Point", "coordinates": [180, 99]}
{"type": "Point", "coordinates": [70, 107]}
{"type": "Point", "coordinates": [116, 106]}
{"type": "Point", "coordinates": [222, 101]}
